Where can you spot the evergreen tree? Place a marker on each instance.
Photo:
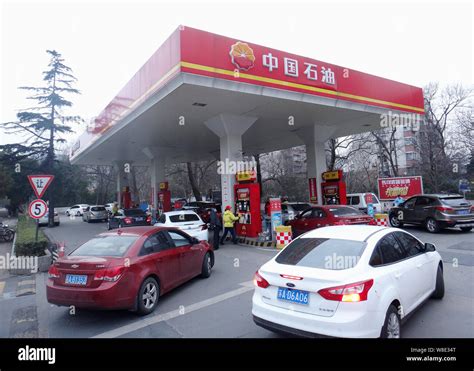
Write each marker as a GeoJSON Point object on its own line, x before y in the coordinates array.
{"type": "Point", "coordinates": [45, 122]}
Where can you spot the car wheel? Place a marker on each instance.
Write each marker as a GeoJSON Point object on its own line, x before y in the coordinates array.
{"type": "Point", "coordinates": [56, 224]}
{"type": "Point", "coordinates": [432, 225]}
{"type": "Point", "coordinates": [439, 290]}
{"type": "Point", "coordinates": [395, 222]}
{"type": "Point", "coordinates": [148, 296]}
{"type": "Point", "coordinates": [391, 326]}
{"type": "Point", "coordinates": [8, 236]}
{"type": "Point", "coordinates": [466, 229]}
{"type": "Point", "coordinates": [206, 266]}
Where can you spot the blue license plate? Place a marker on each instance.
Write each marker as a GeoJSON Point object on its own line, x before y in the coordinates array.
{"type": "Point", "coordinates": [463, 212]}
{"type": "Point", "coordinates": [76, 279]}
{"type": "Point", "coordinates": [295, 296]}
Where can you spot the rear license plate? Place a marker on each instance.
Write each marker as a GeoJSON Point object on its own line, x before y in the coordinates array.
{"type": "Point", "coordinates": [295, 296]}
{"type": "Point", "coordinates": [463, 212]}
{"type": "Point", "coordinates": [139, 219]}
{"type": "Point", "coordinates": [76, 279]}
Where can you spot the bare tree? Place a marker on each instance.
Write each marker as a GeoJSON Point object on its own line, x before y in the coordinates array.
{"type": "Point", "coordinates": [441, 105]}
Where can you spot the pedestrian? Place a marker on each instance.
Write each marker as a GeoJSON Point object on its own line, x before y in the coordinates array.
{"type": "Point", "coordinates": [398, 201]}
{"type": "Point", "coordinates": [115, 209]}
{"type": "Point", "coordinates": [215, 225]}
{"type": "Point", "coordinates": [229, 220]}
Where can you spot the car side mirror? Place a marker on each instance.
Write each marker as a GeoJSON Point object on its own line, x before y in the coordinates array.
{"type": "Point", "coordinates": [429, 247]}
{"type": "Point", "coordinates": [194, 241]}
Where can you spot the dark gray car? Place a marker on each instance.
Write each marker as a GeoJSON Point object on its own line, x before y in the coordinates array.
{"type": "Point", "coordinates": [128, 218]}
{"type": "Point", "coordinates": [434, 212]}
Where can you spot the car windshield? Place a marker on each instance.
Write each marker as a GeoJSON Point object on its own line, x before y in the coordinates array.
{"type": "Point", "coordinates": [455, 201]}
{"type": "Point", "coordinates": [344, 211]}
{"type": "Point", "coordinates": [98, 208]}
{"type": "Point", "coordinates": [134, 212]}
{"type": "Point", "coordinates": [300, 207]}
{"type": "Point", "coordinates": [105, 246]}
{"type": "Point", "coordinates": [180, 218]}
{"type": "Point", "coordinates": [322, 253]}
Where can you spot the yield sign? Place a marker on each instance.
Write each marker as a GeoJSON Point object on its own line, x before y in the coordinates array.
{"type": "Point", "coordinates": [40, 183]}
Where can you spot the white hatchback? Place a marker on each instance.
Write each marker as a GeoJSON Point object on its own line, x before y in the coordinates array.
{"type": "Point", "coordinates": [187, 221]}
{"type": "Point", "coordinates": [347, 281]}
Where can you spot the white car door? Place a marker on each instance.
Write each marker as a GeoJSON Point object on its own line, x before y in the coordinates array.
{"type": "Point", "coordinates": [403, 270]}
{"type": "Point", "coordinates": [423, 262]}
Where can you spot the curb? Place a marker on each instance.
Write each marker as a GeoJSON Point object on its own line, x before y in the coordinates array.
{"type": "Point", "coordinates": [252, 242]}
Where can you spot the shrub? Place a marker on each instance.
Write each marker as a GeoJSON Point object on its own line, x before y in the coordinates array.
{"type": "Point", "coordinates": [31, 248]}
{"type": "Point", "coordinates": [25, 239]}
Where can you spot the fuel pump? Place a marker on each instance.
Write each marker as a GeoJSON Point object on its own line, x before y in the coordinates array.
{"type": "Point", "coordinates": [333, 188]}
{"type": "Point", "coordinates": [164, 198]}
{"type": "Point", "coordinates": [247, 204]}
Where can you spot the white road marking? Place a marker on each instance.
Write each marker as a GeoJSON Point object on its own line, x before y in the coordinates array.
{"type": "Point", "coordinates": [26, 282]}
{"type": "Point", "coordinates": [148, 321]}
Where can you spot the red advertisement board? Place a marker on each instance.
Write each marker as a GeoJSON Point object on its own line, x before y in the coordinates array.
{"type": "Point", "coordinates": [391, 188]}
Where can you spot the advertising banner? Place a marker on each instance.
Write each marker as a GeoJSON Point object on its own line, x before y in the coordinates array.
{"type": "Point", "coordinates": [391, 188]}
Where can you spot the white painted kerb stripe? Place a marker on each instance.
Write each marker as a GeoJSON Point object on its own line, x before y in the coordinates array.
{"type": "Point", "coordinates": [148, 321]}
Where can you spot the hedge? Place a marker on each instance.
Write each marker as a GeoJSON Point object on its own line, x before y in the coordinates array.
{"type": "Point", "coordinates": [25, 238]}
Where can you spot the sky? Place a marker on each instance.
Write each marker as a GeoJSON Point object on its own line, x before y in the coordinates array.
{"type": "Point", "coordinates": [106, 42]}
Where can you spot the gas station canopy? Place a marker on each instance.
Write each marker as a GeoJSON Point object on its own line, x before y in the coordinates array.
{"type": "Point", "coordinates": [196, 78]}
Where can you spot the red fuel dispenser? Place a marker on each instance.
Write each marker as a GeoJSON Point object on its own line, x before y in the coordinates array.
{"type": "Point", "coordinates": [333, 188]}
{"type": "Point", "coordinates": [164, 198]}
{"type": "Point", "coordinates": [247, 203]}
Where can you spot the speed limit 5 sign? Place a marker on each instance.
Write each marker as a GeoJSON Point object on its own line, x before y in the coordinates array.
{"type": "Point", "coordinates": [37, 209]}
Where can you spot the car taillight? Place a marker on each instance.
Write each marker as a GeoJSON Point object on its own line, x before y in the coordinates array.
{"type": "Point", "coordinates": [110, 275]}
{"type": "Point", "coordinates": [353, 292]}
{"type": "Point", "coordinates": [127, 220]}
{"type": "Point", "coordinates": [443, 208]}
{"type": "Point", "coordinates": [203, 227]}
{"type": "Point", "coordinates": [148, 219]}
{"type": "Point", "coordinates": [259, 281]}
{"type": "Point", "coordinates": [53, 272]}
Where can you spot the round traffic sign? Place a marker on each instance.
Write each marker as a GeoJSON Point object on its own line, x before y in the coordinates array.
{"type": "Point", "coordinates": [37, 209]}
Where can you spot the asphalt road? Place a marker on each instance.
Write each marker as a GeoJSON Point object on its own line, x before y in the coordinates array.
{"type": "Point", "coordinates": [220, 306]}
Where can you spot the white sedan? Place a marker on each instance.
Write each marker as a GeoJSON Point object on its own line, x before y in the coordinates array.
{"type": "Point", "coordinates": [347, 281]}
{"type": "Point", "coordinates": [187, 221]}
{"type": "Point", "coordinates": [76, 210]}
{"type": "Point", "coordinates": [44, 220]}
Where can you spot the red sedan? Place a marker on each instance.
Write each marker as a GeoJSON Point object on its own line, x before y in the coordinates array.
{"type": "Point", "coordinates": [128, 269]}
{"type": "Point", "coordinates": [322, 216]}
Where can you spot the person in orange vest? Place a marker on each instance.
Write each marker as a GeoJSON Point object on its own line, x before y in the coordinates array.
{"type": "Point", "coordinates": [229, 219]}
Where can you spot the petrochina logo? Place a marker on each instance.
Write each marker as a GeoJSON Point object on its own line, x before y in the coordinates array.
{"type": "Point", "coordinates": [242, 56]}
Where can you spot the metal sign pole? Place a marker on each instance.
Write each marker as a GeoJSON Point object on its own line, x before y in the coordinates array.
{"type": "Point", "coordinates": [37, 228]}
